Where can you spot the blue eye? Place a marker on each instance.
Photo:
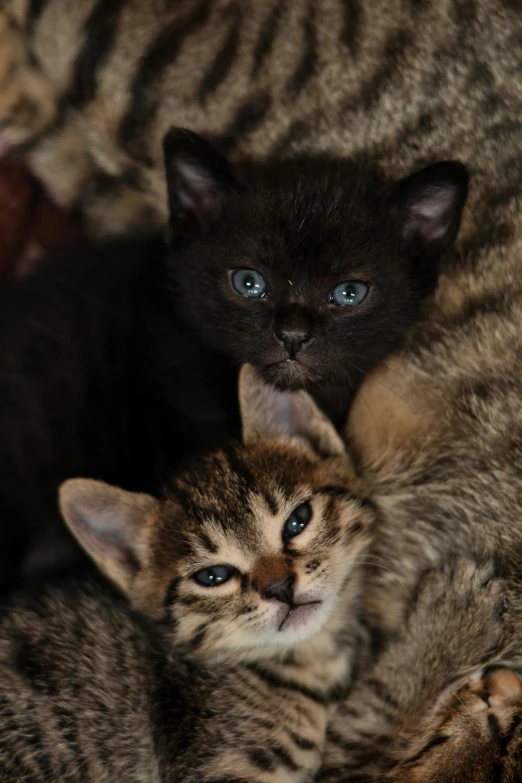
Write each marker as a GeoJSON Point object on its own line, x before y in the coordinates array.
{"type": "Point", "coordinates": [214, 576]}
{"type": "Point", "coordinates": [297, 521]}
{"type": "Point", "coordinates": [349, 294]}
{"type": "Point", "coordinates": [249, 283]}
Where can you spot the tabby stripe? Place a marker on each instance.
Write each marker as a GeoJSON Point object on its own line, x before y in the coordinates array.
{"type": "Point", "coordinates": [33, 738]}
{"type": "Point", "coordinates": [284, 757]}
{"type": "Point", "coordinates": [351, 25]}
{"type": "Point", "coordinates": [99, 31]}
{"type": "Point", "coordinates": [224, 60]}
{"type": "Point", "coordinates": [68, 728]}
{"type": "Point", "coordinates": [172, 592]}
{"type": "Point", "coordinates": [267, 36]}
{"type": "Point", "coordinates": [339, 492]}
{"type": "Point", "coordinates": [247, 118]}
{"type": "Point", "coordinates": [35, 9]}
{"type": "Point", "coordinates": [227, 780]}
{"type": "Point", "coordinates": [276, 681]}
{"type": "Point", "coordinates": [297, 131]}
{"type": "Point", "coordinates": [209, 545]}
{"type": "Point", "coordinates": [261, 759]}
{"type": "Point", "coordinates": [381, 690]}
{"type": "Point", "coordinates": [390, 60]}
{"type": "Point", "coordinates": [199, 637]}
{"type": "Point", "coordinates": [434, 743]}
{"type": "Point", "coordinates": [306, 67]}
{"type": "Point", "coordinates": [301, 742]}
{"type": "Point", "coordinates": [163, 52]}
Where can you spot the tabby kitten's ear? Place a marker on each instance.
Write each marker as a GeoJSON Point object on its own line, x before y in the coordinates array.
{"type": "Point", "coordinates": [429, 205]}
{"type": "Point", "coordinates": [110, 525]}
{"type": "Point", "coordinates": [198, 180]}
{"type": "Point", "coordinates": [268, 413]}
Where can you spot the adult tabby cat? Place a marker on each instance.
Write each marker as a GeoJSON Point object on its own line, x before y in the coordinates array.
{"type": "Point", "coordinates": [402, 81]}
{"type": "Point", "coordinates": [444, 701]}
{"type": "Point", "coordinates": [116, 362]}
{"type": "Point", "coordinates": [244, 583]}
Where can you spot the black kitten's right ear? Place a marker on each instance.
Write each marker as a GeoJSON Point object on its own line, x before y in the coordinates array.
{"type": "Point", "coordinates": [199, 179]}
{"type": "Point", "coordinates": [429, 204]}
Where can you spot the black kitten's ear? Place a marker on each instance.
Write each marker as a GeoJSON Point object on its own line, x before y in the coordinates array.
{"type": "Point", "coordinates": [198, 180]}
{"type": "Point", "coordinates": [430, 205]}
{"type": "Point", "coordinates": [110, 525]}
{"type": "Point", "coordinates": [267, 414]}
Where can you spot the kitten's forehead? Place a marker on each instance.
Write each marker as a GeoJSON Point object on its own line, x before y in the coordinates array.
{"type": "Point", "coordinates": [230, 491]}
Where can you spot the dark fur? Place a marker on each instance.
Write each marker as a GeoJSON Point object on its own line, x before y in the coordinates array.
{"type": "Point", "coordinates": [101, 376]}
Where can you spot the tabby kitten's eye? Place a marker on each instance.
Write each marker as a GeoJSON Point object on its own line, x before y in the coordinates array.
{"type": "Point", "coordinates": [249, 283]}
{"type": "Point", "coordinates": [349, 294]}
{"type": "Point", "coordinates": [214, 575]}
{"type": "Point", "coordinates": [297, 521]}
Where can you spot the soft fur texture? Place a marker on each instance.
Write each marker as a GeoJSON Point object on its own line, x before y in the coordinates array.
{"type": "Point", "coordinates": [116, 362]}
{"type": "Point", "coordinates": [196, 682]}
{"type": "Point", "coordinates": [94, 89]}
{"type": "Point", "coordinates": [444, 702]}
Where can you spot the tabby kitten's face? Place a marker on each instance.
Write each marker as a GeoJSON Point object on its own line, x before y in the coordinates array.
{"type": "Point", "coordinates": [253, 549]}
{"type": "Point", "coordinates": [311, 269]}
{"type": "Point", "coordinates": [474, 733]}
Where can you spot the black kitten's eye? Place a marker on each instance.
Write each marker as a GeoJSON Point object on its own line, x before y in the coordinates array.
{"type": "Point", "coordinates": [349, 294]}
{"type": "Point", "coordinates": [249, 283]}
{"type": "Point", "coordinates": [297, 521]}
{"type": "Point", "coordinates": [214, 576]}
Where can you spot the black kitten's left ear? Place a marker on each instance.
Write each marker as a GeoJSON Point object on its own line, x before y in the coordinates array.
{"type": "Point", "coordinates": [429, 205]}
{"type": "Point", "coordinates": [199, 179]}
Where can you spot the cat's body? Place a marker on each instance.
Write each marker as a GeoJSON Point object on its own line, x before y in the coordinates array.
{"type": "Point", "coordinates": [245, 585]}
{"type": "Point", "coordinates": [444, 701]}
{"type": "Point", "coordinates": [439, 430]}
{"type": "Point", "coordinates": [403, 82]}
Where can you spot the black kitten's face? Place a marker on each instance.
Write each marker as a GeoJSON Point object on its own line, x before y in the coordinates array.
{"type": "Point", "coordinates": [309, 271]}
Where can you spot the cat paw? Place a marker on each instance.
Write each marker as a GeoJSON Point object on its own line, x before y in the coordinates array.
{"type": "Point", "coordinates": [475, 732]}
{"type": "Point", "coordinates": [27, 102]}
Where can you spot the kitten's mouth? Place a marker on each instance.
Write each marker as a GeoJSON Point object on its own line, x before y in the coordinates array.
{"type": "Point", "coordinates": [298, 615]}
{"type": "Point", "coordinates": [288, 374]}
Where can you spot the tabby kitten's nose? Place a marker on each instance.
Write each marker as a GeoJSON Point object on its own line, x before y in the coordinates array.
{"type": "Point", "coordinates": [293, 342]}
{"type": "Point", "coordinates": [282, 591]}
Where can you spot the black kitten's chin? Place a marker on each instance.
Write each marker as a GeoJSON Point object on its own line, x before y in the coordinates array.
{"type": "Point", "coordinates": [288, 375]}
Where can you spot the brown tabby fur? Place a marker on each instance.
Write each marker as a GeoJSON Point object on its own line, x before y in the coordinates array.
{"type": "Point", "coordinates": [195, 683]}
{"type": "Point", "coordinates": [93, 85]}
{"type": "Point", "coordinates": [438, 430]}
{"type": "Point", "coordinates": [444, 702]}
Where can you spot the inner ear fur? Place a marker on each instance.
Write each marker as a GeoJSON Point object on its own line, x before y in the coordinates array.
{"type": "Point", "coordinates": [268, 413]}
{"type": "Point", "coordinates": [110, 524]}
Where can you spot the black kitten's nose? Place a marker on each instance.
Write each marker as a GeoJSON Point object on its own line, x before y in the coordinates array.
{"type": "Point", "coordinates": [293, 342]}
{"type": "Point", "coordinates": [282, 591]}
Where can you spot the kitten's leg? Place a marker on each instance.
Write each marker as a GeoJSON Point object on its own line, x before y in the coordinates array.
{"type": "Point", "coordinates": [27, 101]}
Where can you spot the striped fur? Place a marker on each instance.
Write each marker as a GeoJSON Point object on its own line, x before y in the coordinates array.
{"type": "Point", "coordinates": [194, 683]}
{"type": "Point", "coordinates": [444, 701]}
{"type": "Point", "coordinates": [401, 81]}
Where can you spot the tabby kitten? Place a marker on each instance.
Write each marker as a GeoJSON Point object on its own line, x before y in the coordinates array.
{"type": "Point", "coordinates": [243, 580]}
{"type": "Point", "coordinates": [444, 702]}
{"type": "Point", "coordinates": [92, 87]}
{"type": "Point", "coordinates": [115, 362]}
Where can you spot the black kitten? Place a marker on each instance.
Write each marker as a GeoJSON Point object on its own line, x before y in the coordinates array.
{"type": "Point", "coordinates": [116, 362]}
{"type": "Point", "coordinates": [310, 269]}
